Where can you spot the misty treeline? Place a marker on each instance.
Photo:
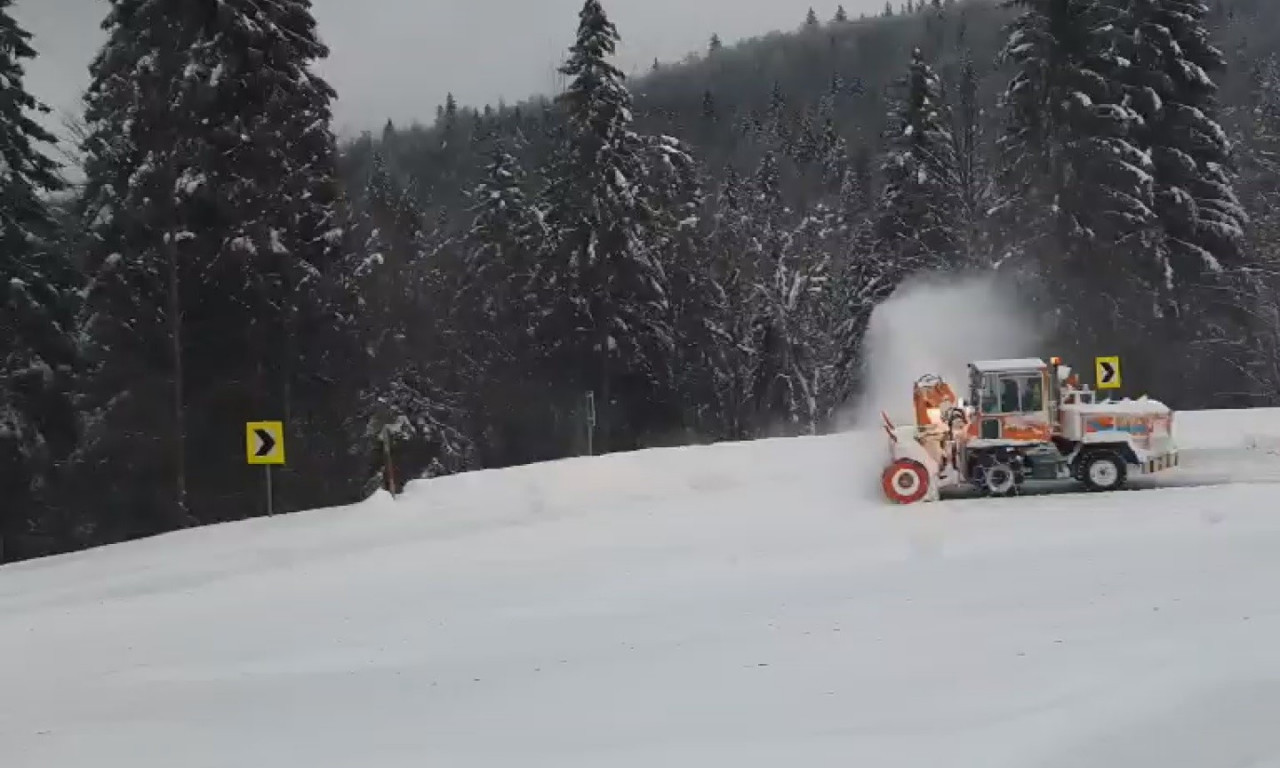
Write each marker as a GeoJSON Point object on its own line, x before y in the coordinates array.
{"type": "Point", "coordinates": [691, 255]}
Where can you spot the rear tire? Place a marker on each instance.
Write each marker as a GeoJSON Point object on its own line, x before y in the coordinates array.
{"type": "Point", "coordinates": [1102, 471]}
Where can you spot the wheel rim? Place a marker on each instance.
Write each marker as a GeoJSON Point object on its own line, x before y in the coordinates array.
{"type": "Point", "coordinates": [1103, 473]}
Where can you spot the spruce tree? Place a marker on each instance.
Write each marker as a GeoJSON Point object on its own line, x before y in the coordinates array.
{"type": "Point", "coordinates": [678, 232]}
{"type": "Point", "coordinates": [1078, 185]}
{"type": "Point", "coordinates": [608, 314]}
{"type": "Point", "coordinates": [975, 188]}
{"type": "Point", "coordinates": [497, 301]}
{"type": "Point", "coordinates": [730, 311]}
{"type": "Point", "coordinates": [918, 218]}
{"type": "Point", "coordinates": [37, 349]}
{"type": "Point", "coordinates": [1201, 217]}
{"type": "Point", "coordinates": [1201, 220]}
{"type": "Point", "coordinates": [214, 216]}
{"type": "Point", "coordinates": [1260, 164]}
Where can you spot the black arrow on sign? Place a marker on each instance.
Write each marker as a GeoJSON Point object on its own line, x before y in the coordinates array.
{"type": "Point", "coordinates": [265, 442]}
{"type": "Point", "coordinates": [1108, 371]}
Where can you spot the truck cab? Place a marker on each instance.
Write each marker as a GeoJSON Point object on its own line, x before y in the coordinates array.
{"type": "Point", "coordinates": [1013, 401]}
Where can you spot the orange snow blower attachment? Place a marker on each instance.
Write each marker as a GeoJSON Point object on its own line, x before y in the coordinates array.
{"type": "Point", "coordinates": [934, 400]}
{"type": "Point", "coordinates": [918, 452]}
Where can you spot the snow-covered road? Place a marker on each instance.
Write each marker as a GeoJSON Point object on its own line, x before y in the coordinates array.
{"type": "Point", "coordinates": [736, 605]}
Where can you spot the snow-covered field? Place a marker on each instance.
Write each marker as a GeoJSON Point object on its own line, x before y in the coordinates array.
{"type": "Point", "coordinates": [736, 605]}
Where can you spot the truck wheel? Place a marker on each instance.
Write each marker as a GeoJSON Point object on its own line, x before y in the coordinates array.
{"type": "Point", "coordinates": [997, 477]}
{"type": "Point", "coordinates": [1102, 471]}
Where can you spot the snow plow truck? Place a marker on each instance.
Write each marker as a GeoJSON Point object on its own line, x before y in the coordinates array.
{"type": "Point", "coordinates": [1023, 420]}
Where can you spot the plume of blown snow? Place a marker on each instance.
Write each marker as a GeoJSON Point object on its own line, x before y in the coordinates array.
{"type": "Point", "coordinates": [937, 324]}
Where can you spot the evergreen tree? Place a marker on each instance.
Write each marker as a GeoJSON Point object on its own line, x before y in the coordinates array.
{"type": "Point", "coordinates": [1202, 219]}
{"type": "Point", "coordinates": [715, 45]}
{"type": "Point", "coordinates": [778, 275]}
{"type": "Point", "coordinates": [841, 15]}
{"type": "Point", "coordinates": [731, 356]}
{"type": "Point", "coordinates": [1260, 161]}
{"type": "Point", "coordinates": [408, 394]}
{"type": "Point", "coordinates": [37, 351]}
{"type": "Point", "coordinates": [215, 237]}
{"type": "Point", "coordinates": [1078, 185]}
{"type": "Point", "coordinates": [677, 232]}
{"type": "Point", "coordinates": [608, 317]}
{"type": "Point", "coordinates": [496, 304]}
{"type": "Point", "coordinates": [811, 19]}
{"type": "Point", "coordinates": [975, 189]}
{"type": "Point", "coordinates": [918, 218]}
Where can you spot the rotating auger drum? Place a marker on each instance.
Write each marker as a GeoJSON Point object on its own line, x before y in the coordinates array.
{"type": "Point", "coordinates": [905, 481]}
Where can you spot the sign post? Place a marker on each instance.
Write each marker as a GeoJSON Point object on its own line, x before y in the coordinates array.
{"type": "Point", "coordinates": [264, 445]}
{"type": "Point", "coordinates": [1107, 372]}
{"type": "Point", "coordinates": [591, 422]}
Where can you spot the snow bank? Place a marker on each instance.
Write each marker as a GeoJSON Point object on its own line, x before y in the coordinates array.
{"type": "Point", "coordinates": [739, 604]}
{"type": "Point", "coordinates": [937, 324]}
{"type": "Point", "coordinates": [1254, 429]}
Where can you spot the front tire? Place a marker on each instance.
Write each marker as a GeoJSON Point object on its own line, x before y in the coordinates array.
{"type": "Point", "coordinates": [1102, 471]}
{"type": "Point", "coordinates": [998, 475]}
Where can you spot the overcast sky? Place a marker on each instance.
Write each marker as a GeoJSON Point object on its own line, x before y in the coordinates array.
{"type": "Point", "coordinates": [398, 58]}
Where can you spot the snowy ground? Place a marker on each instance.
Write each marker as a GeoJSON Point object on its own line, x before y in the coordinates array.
{"type": "Point", "coordinates": [738, 605]}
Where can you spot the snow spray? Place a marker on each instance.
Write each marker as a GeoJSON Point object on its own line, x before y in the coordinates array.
{"type": "Point", "coordinates": [937, 324]}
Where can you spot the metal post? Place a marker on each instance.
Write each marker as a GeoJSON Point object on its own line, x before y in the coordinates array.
{"type": "Point", "coordinates": [270, 501]}
{"type": "Point", "coordinates": [591, 422]}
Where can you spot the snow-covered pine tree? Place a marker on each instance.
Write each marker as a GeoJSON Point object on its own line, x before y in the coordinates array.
{"type": "Point", "coordinates": [975, 189]}
{"type": "Point", "coordinates": [918, 219]}
{"type": "Point", "coordinates": [1262, 156]}
{"type": "Point", "coordinates": [784, 267]}
{"type": "Point", "coordinates": [841, 15]}
{"type": "Point", "coordinates": [407, 385]}
{"type": "Point", "coordinates": [806, 148]}
{"type": "Point", "coordinates": [1260, 165]}
{"type": "Point", "coordinates": [678, 232]}
{"type": "Point", "coordinates": [778, 133]}
{"type": "Point", "coordinates": [1202, 219]}
{"type": "Point", "coordinates": [37, 348]}
{"type": "Point", "coordinates": [608, 320]}
{"type": "Point", "coordinates": [1077, 188]}
{"type": "Point", "coordinates": [731, 308]}
{"type": "Point", "coordinates": [495, 307]}
{"type": "Point", "coordinates": [834, 152]}
{"type": "Point", "coordinates": [213, 210]}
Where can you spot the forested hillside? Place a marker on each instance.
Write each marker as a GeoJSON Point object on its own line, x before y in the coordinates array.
{"type": "Point", "coordinates": [690, 256]}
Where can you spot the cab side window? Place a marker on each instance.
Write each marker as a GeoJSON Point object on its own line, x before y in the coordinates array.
{"type": "Point", "coordinates": [990, 403]}
{"type": "Point", "coordinates": [1009, 396]}
{"type": "Point", "coordinates": [1033, 395]}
